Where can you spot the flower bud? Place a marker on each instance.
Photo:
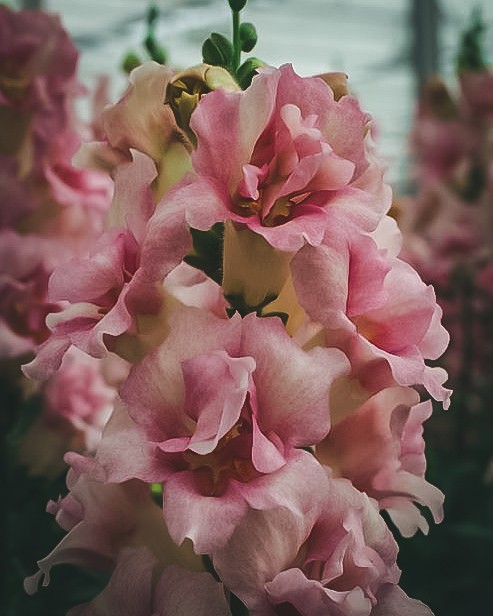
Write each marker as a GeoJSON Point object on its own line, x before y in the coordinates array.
{"type": "Point", "coordinates": [237, 5]}
{"type": "Point", "coordinates": [248, 36]}
{"type": "Point", "coordinates": [131, 61]}
{"type": "Point", "coordinates": [152, 15]}
{"type": "Point", "coordinates": [187, 87]}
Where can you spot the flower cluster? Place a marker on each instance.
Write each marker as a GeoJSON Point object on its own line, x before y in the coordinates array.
{"type": "Point", "coordinates": [250, 275]}
{"type": "Point", "coordinates": [49, 211]}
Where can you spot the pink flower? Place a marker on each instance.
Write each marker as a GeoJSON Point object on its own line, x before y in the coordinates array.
{"type": "Point", "coordinates": [380, 448]}
{"type": "Point", "coordinates": [40, 133]}
{"type": "Point", "coordinates": [25, 265]}
{"type": "Point", "coordinates": [373, 307]}
{"type": "Point", "coordinates": [338, 559]}
{"type": "Point", "coordinates": [37, 74]}
{"type": "Point", "coordinates": [217, 412]}
{"type": "Point", "coordinates": [101, 520]}
{"type": "Point", "coordinates": [76, 403]}
{"type": "Point", "coordinates": [118, 283]}
{"type": "Point", "coordinates": [477, 98]}
{"type": "Point", "coordinates": [289, 156]}
{"type": "Point", "coordinates": [78, 395]}
{"type": "Point", "coordinates": [140, 586]}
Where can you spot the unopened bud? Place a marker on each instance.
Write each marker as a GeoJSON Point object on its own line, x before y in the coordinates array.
{"type": "Point", "coordinates": [152, 15]}
{"type": "Point", "coordinates": [237, 5]}
{"type": "Point", "coordinates": [131, 61]}
{"type": "Point", "coordinates": [248, 36]}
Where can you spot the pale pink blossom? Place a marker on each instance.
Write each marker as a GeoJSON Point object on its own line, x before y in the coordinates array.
{"type": "Point", "coordinates": [141, 121]}
{"type": "Point", "coordinates": [338, 559]}
{"type": "Point", "coordinates": [289, 157]}
{"type": "Point", "coordinates": [373, 306]}
{"type": "Point", "coordinates": [37, 75]}
{"type": "Point", "coordinates": [379, 446]}
{"type": "Point", "coordinates": [118, 286]}
{"type": "Point", "coordinates": [103, 519]}
{"type": "Point", "coordinates": [217, 412]}
{"type": "Point", "coordinates": [78, 395]}
{"type": "Point", "coordinates": [25, 265]}
{"type": "Point", "coordinates": [76, 403]}
{"type": "Point", "coordinates": [39, 129]}
{"type": "Point", "coordinates": [139, 586]}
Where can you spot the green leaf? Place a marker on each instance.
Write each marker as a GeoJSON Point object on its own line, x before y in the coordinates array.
{"type": "Point", "coordinates": [217, 50]}
{"type": "Point", "coordinates": [247, 71]}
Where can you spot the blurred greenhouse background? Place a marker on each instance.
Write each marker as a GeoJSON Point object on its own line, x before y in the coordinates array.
{"type": "Point", "coordinates": [383, 45]}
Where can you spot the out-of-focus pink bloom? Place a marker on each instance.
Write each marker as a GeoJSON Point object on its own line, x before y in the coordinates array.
{"type": "Point", "coordinates": [103, 519]}
{"type": "Point", "coordinates": [476, 95]}
{"type": "Point", "coordinates": [76, 403]}
{"type": "Point", "coordinates": [140, 586]}
{"type": "Point", "coordinates": [283, 168]}
{"type": "Point", "coordinates": [372, 306]}
{"type": "Point", "coordinates": [39, 133]}
{"type": "Point", "coordinates": [25, 265]}
{"type": "Point", "coordinates": [217, 412]}
{"type": "Point", "coordinates": [448, 225]}
{"type": "Point", "coordinates": [380, 448]}
{"type": "Point", "coordinates": [37, 74]}
{"type": "Point", "coordinates": [17, 202]}
{"type": "Point", "coordinates": [111, 289]}
{"type": "Point", "coordinates": [338, 559]}
{"type": "Point", "coordinates": [78, 396]}
{"type": "Point", "coordinates": [443, 146]}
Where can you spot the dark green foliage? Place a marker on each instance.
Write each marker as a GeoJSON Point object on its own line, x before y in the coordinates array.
{"type": "Point", "coordinates": [29, 533]}
{"type": "Point", "coordinates": [207, 252]}
{"type": "Point", "coordinates": [470, 55]}
{"type": "Point", "coordinates": [218, 50]}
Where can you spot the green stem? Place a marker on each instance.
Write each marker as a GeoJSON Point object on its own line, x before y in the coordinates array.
{"type": "Point", "coordinates": [236, 40]}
